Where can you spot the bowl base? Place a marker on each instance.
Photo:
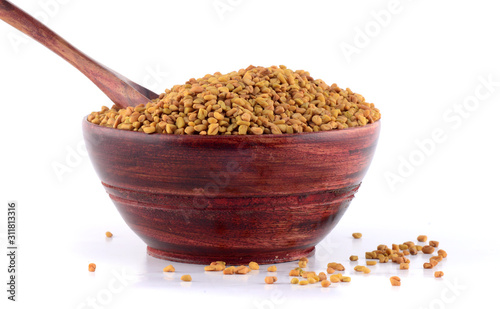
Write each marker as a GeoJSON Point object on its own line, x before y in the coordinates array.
{"type": "Point", "coordinates": [267, 258]}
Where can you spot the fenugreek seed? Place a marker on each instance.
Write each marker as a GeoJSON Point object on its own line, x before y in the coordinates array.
{"type": "Point", "coordinates": [302, 264]}
{"type": "Point", "coordinates": [433, 262]}
{"type": "Point", "coordinates": [109, 234]}
{"type": "Point", "coordinates": [442, 253]}
{"type": "Point", "coordinates": [294, 272]}
{"type": "Point", "coordinates": [168, 269]}
{"type": "Point", "coordinates": [353, 258]}
{"type": "Point", "coordinates": [242, 270]}
{"type": "Point", "coordinates": [210, 268]}
{"type": "Point", "coordinates": [229, 270]}
{"type": "Point", "coordinates": [336, 266]}
{"type": "Point", "coordinates": [272, 268]}
{"type": "Point", "coordinates": [256, 130]}
{"type": "Point", "coordinates": [438, 274]}
{"type": "Point", "coordinates": [427, 249]}
{"type": "Point", "coordinates": [403, 247]}
{"type": "Point", "coordinates": [253, 266]}
{"type": "Point", "coordinates": [270, 280]}
{"type": "Point", "coordinates": [294, 281]}
{"type": "Point", "coordinates": [366, 270]}
{"type": "Point", "coordinates": [330, 270]}
{"type": "Point", "coordinates": [149, 130]}
{"type": "Point", "coordinates": [322, 276]}
{"type": "Point", "coordinates": [303, 282]}
{"type": "Point", "coordinates": [371, 263]}
{"type": "Point", "coordinates": [419, 248]}
{"type": "Point", "coordinates": [404, 266]}
{"type": "Point", "coordinates": [186, 278]}
{"type": "Point", "coordinates": [413, 250]}
{"type": "Point", "coordinates": [437, 258]}
{"type": "Point", "coordinates": [434, 243]}
{"type": "Point", "coordinates": [242, 129]}
{"type": "Point", "coordinates": [92, 267]}
{"type": "Point", "coordinates": [395, 281]}
{"type": "Point", "coordinates": [218, 116]}
{"type": "Point", "coordinates": [357, 235]}
{"type": "Point", "coordinates": [422, 238]}
{"type": "Point", "coordinates": [213, 129]}
{"type": "Point", "coordinates": [325, 283]}
{"type": "Point", "coordinates": [428, 265]}
{"type": "Point", "coordinates": [334, 279]}
{"type": "Point", "coordinates": [311, 280]}
{"type": "Point", "coordinates": [345, 279]}
{"type": "Point", "coordinates": [359, 268]}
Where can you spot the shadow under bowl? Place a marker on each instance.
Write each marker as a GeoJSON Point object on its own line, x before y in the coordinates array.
{"type": "Point", "coordinates": [237, 198]}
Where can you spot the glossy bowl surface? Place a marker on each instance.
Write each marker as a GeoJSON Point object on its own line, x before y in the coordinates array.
{"type": "Point", "coordinates": [198, 199]}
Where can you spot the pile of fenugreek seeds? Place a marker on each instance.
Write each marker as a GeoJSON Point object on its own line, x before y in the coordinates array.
{"type": "Point", "coordinates": [255, 100]}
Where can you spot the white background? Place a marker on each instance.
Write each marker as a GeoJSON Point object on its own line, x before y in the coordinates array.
{"type": "Point", "coordinates": [420, 62]}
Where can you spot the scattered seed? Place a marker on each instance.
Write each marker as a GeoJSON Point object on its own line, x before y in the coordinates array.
{"type": "Point", "coordinates": [422, 238]}
{"type": "Point", "coordinates": [404, 266]}
{"type": "Point", "coordinates": [272, 268]}
{"type": "Point", "coordinates": [427, 249]}
{"type": "Point", "coordinates": [371, 263]}
{"type": "Point", "coordinates": [169, 268]}
{"type": "Point", "coordinates": [186, 278]}
{"type": "Point", "coordinates": [303, 282]}
{"type": "Point", "coordinates": [357, 235]}
{"type": "Point", "coordinates": [109, 234]}
{"type": "Point", "coordinates": [325, 283]}
{"type": "Point", "coordinates": [92, 267]}
{"type": "Point", "coordinates": [395, 281]}
{"type": "Point", "coordinates": [294, 281]}
{"type": "Point", "coordinates": [353, 258]}
{"type": "Point", "coordinates": [434, 243]}
{"type": "Point", "coordinates": [438, 274]}
{"type": "Point", "coordinates": [442, 253]}
{"type": "Point", "coordinates": [253, 266]}
{"type": "Point", "coordinates": [271, 279]}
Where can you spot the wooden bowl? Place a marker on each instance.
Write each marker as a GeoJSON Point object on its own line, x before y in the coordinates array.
{"type": "Point", "coordinates": [198, 199]}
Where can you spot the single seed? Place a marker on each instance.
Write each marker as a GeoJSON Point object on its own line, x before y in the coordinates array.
{"type": "Point", "coordinates": [334, 279]}
{"type": "Point", "coordinates": [109, 234]}
{"type": "Point", "coordinates": [353, 258]}
{"type": "Point", "coordinates": [294, 281]}
{"type": "Point", "coordinates": [270, 279]}
{"type": "Point", "coordinates": [302, 264]}
{"type": "Point", "coordinates": [253, 266]}
{"type": "Point", "coordinates": [442, 253]}
{"type": "Point", "coordinates": [422, 238]}
{"type": "Point", "coordinates": [434, 243]}
{"type": "Point", "coordinates": [427, 249]}
{"type": "Point", "coordinates": [325, 283]}
{"type": "Point", "coordinates": [357, 235]}
{"type": "Point", "coordinates": [395, 281]}
{"type": "Point", "coordinates": [438, 274]}
{"type": "Point", "coordinates": [186, 278]}
{"type": "Point", "coordinates": [404, 266]}
{"type": "Point", "coordinates": [92, 267]}
{"type": "Point", "coordinates": [428, 265]}
{"type": "Point", "coordinates": [169, 268]}
{"type": "Point", "coordinates": [345, 279]}
{"type": "Point", "coordinates": [229, 271]}
{"type": "Point", "coordinates": [303, 282]}
{"type": "Point", "coordinates": [322, 276]}
{"type": "Point", "coordinates": [272, 268]}
{"type": "Point", "coordinates": [330, 270]}
{"type": "Point", "coordinates": [242, 270]}
{"type": "Point", "coordinates": [371, 263]}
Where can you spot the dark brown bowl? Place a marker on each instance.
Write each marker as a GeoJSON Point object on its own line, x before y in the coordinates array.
{"type": "Point", "coordinates": [198, 199]}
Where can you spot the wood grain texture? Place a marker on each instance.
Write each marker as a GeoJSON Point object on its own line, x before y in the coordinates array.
{"type": "Point", "coordinates": [118, 88]}
{"type": "Point", "coordinates": [264, 198]}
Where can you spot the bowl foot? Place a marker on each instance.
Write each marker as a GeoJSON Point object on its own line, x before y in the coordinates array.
{"type": "Point", "coordinates": [265, 258]}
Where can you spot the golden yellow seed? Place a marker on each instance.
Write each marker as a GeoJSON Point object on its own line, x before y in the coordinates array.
{"type": "Point", "coordinates": [404, 266]}
{"type": "Point", "coordinates": [92, 267]}
{"type": "Point", "coordinates": [109, 234]}
{"type": "Point", "coordinates": [169, 268]}
{"type": "Point", "coordinates": [272, 268]}
{"type": "Point", "coordinates": [229, 271]}
{"type": "Point", "coordinates": [253, 266]}
{"type": "Point", "coordinates": [357, 235]}
{"type": "Point", "coordinates": [353, 258]}
{"type": "Point", "coordinates": [302, 264]}
{"type": "Point", "coordinates": [395, 281]}
{"type": "Point", "coordinates": [325, 283]}
{"type": "Point", "coordinates": [186, 278]}
{"type": "Point", "coordinates": [438, 274]}
{"type": "Point", "coordinates": [270, 279]}
{"type": "Point", "coordinates": [371, 263]}
{"type": "Point", "coordinates": [149, 130]}
{"type": "Point", "coordinates": [294, 281]}
{"type": "Point", "coordinates": [345, 279]}
{"type": "Point", "coordinates": [303, 282]}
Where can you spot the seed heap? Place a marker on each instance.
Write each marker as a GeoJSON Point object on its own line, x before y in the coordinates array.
{"type": "Point", "coordinates": [255, 100]}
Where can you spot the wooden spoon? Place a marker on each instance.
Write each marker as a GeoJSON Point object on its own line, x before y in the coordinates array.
{"type": "Point", "coordinates": [122, 91]}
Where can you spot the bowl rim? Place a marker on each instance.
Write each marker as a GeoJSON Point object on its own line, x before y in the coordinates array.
{"type": "Point", "coordinates": [373, 125]}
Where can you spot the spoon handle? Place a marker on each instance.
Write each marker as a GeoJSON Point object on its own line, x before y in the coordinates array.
{"type": "Point", "coordinates": [122, 91]}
